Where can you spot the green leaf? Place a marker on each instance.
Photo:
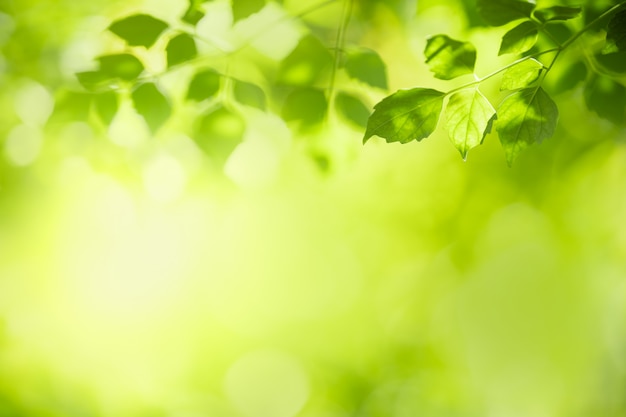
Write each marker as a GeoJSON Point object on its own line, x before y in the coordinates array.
{"type": "Point", "coordinates": [305, 64]}
{"type": "Point", "coordinates": [501, 12]}
{"type": "Point", "coordinates": [180, 48]}
{"type": "Point", "coordinates": [557, 13]}
{"type": "Point", "coordinates": [469, 117]}
{"type": "Point", "coordinates": [607, 98]}
{"type": "Point", "coordinates": [245, 8]}
{"type": "Point", "coordinates": [152, 105]}
{"type": "Point", "coordinates": [71, 105]}
{"type": "Point", "coordinates": [306, 105]}
{"type": "Point", "coordinates": [106, 105]}
{"type": "Point", "coordinates": [366, 66]}
{"type": "Point", "coordinates": [521, 75]}
{"type": "Point", "coordinates": [92, 80]}
{"type": "Point", "coordinates": [205, 84]}
{"type": "Point", "coordinates": [219, 132]}
{"type": "Point", "coordinates": [193, 14]}
{"type": "Point", "coordinates": [572, 76]}
{"type": "Point", "coordinates": [519, 39]}
{"type": "Point", "coordinates": [249, 94]}
{"type": "Point", "coordinates": [139, 29]}
{"type": "Point", "coordinates": [124, 66]}
{"type": "Point", "coordinates": [613, 62]}
{"type": "Point", "coordinates": [449, 58]}
{"type": "Point", "coordinates": [406, 115]}
{"type": "Point", "coordinates": [525, 117]}
{"type": "Point", "coordinates": [352, 109]}
{"type": "Point", "coordinates": [616, 32]}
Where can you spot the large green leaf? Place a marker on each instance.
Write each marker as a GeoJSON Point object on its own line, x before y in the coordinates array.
{"type": "Point", "coordinates": [124, 66]}
{"type": "Point", "coordinates": [557, 13]}
{"type": "Point", "coordinates": [152, 105]}
{"type": "Point", "coordinates": [204, 84]}
{"type": "Point", "coordinates": [501, 12]}
{"type": "Point", "coordinates": [219, 132]}
{"type": "Point", "coordinates": [449, 58]}
{"type": "Point", "coordinates": [607, 98]}
{"type": "Point", "coordinates": [519, 39]}
{"type": "Point", "coordinates": [305, 105]}
{"type": "Point", "coordinates": [106, 105]}
{"type": "Point", "coordinates": [616, 32]}
{"type": "Point", "coordinates": [406, 115]}
{"type": "Point", "coordinates": [305, 64]}
{"type": "Point", "coordinates": [245, 8]}
{"type": "Point", "coordinates": [249, 94]}
{"type": "Point", "coordinates": [139, 29]}
{"type": "Point", "coordinates": [352, 109]}
{"type": "Point", "coordinates": [525, 117]}
{"type": "Point", "coordinates": [366, 65]}
{"type": "Point", "coordinates": [521, 75]}
{"type": "Point", "coordinates": [180, 48]}
{"type": "Point", "coordinates": [469, 117]}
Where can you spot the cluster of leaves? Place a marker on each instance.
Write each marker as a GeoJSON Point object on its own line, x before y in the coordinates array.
{"type": "Point", "coordinates": [527, 115]}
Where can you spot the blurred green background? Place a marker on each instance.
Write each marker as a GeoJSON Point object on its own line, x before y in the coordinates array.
{"type": "Point", "coordinates": [310, 276]}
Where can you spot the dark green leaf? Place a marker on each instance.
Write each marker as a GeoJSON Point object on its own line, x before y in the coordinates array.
{"type": "Point", "coordinates": [521, 75]}
{"type": "Point", "coordinates": [572, 76]}
{"type": "Point", "coordinates": [449, 58]}
{"type": "Point", "coordinates": [352, 109]}
{"type": "Point", "coordinates": [193, 14]}
{"type": "Point", "coordinates": [93, 80]}
{"type": "Point", "coordinates": [106, 105]}
{"type": "Point", "coordinates": [469, 116]}
{"type": "Point", "coordinates": [501, 12]}
{"type": "Point", "coordinates": [613, 62]}
{"type": "Point", "coordinates": [607, 98]}
{"type": "Point", "coordinates": [124, 66]}
{"type": "Point", "coordinates": [519, 39]}
{"type": "Point", "coordinates": [219, 132]}
{"type": "Point", "coordinates": [139, 29]}
{"type": "Point", "coordinates": [152, 105]}
{"type": "Point", "coordinates": [616, 32]}
{"type": "Point", "coordinates": [525, 117]}
{"type": "Point", "coordinates": [557, 13]}
{"type": "Point", "coordinates": [245, 8]}
{"type": "Point", "coordinates": [180, 48]}
{"type": "Point", "coordinates": [249, 94]}
{"type": "Point", "coordinates": [204, 85]}
{"type": "Point", "coordinates": [305, 64]}
{"type": "Point", "coordinates": [406, 115]}
{"type": "Point", "coordinates": [306, 105]}
{"type": "Point", "coordinates": [366, 65]}
{"type": "Point", "coordinates": [559, 31]}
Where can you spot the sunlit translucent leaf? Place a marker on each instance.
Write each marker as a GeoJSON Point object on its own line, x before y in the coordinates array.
{"type": "Point", "coordinates": [525, 117]}
{"type": "Point", "coordinates": [366, 65]}
{"type": "Point", "coordinates": [152, 105]}
{"type": "Point", "coordinates": [244, 8]}
{"type": "Point", "coordinates": [521, 75]}
{"type": "Point", "coordinates": [469, 115]}
{"type": "Point", "coordinates": [607, 98]}
{"type": "Point", "coordinates": [249, 94]}
{"type": "Point", "coordinates": [572, 76]}
{"type": "Point", "coordinates": [139, 29]}
{"type": "Point", "coordinates": [449, 58]}
{"type": "Point", "coordinates": [306, 105]}
{"type": "Point", "coordinates": [306, 63]}
{"type": "Point", "coordinates": [179, 49]}
{"type": "Point", "coordinates": [406, 115]}
{"type": "Point", "coordinates": [205, 84]}
{"type": "Point", "coordinates": [93, 80]}
{"type": "Point", "coordinates": [106, 106]}
{"type": "Point", "coordinates": [501, 12]}
{"type": "Point", "coordinates": [519, 39]}
{"type": "Point", "coordinates": [219, 132]}
{"type": "Point", "coordinates": [557, 13]}
{"type": "Point", "coordinates": [616, 32]}
{"type": "Point", "coordinates": [352, 109]}
{"type": "Point", "coordinates": [124, 66]}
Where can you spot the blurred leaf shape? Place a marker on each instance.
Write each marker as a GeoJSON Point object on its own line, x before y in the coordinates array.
{"type": "Point", "coordinates": [469, 118]}
{"type": "Point", "coordinates": [616, 33]}
{"type": "Point", "coordinates": [352, 109]}
{"type": "Point", "coordinates": [106, 105]}
{"type": "Point", "coordinates": [305, 105]}
{"type": "Point", "coordinates": [571, 77]}
{"type": "Point", "coordinates": [219, 132]}
{"type": "Point", "coordinates": [249, 94]}
{"type": "Point", "coordinates": [449, 58]}
{"type": "Point", "coordinates": [71, 106]}
{"type": "Point", "coordinates": [606, 98]}
{"type": "Point", "coordinates": [92, 80]}
{"type": "Point", "coordinates": [180, 48]}
{"type": "Point", "coordinates": [557, 13]}
{"type": "Point", "coordinates": [204, 85]}
{"type": "Point", "coordinates": [521, 75]}
{"type": "Point", "coordinates": [152, 105]}
{"type": "Point", "coordinates": [613, 62]}
{"type": "Point", "coordinates": [139, 29]}
{"type": "Point", "coordinates": [124, 66]}
{"type": "Point", "coordinates": [525, 117]}
{"type": "Point", "coordinates": [406, 115]}
{"type": "Point", "coordinates": [366, 66]}
{"type": "Point", "coordinates": [305, 64]}
{"type": "Point", "coordinates": [193, 14]}
{"type": "Point", "coordinates": [519, 39]}
{"type": "Point", "coordinates": [245, 8]}
{"type": "Point", "coordinates": [501, 12]}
